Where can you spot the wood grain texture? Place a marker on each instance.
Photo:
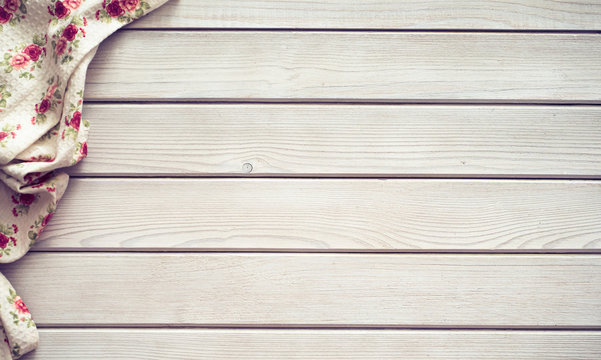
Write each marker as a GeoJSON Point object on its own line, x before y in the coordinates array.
{"type": "Point", "coordinates": [379, 14]}
{"type": "Point", "coordinates": [135, 289]}
{"type": "Point", "coordinates": [329, 214]}
{"type": "Point", "coordinates": [229, 289]}
{"type": "Point", "coordinates": [278, 344]}
{"type": "Point", "coordinates": [366, 140]}
{"type": "Point", "coordinates": [339, 66]}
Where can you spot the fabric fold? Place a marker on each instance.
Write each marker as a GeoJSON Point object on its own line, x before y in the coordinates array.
{"type": "Point", "coordinates": [45, 49]}
{"type": "Point", "coordinates": [20, 333]}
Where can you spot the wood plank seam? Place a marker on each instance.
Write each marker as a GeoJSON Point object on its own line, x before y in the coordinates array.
{"type": "Point", "coordinates": [363, 30]}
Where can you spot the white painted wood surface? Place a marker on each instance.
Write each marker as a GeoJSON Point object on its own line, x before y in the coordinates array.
{"type": "Point", "coordinates": [147, 344]}
{"type": "Point", "coordinates": [347, 66]}
{"type": "Point", "coordinates": [358, 140]}
{"type": "Point", "coordinates": [327, 214]}
{"type": "Point", "coordinates": [227, 289]}
{"type": "Point", "coordinates": [126, 259]}
{"type": "Point", "coordinates": [378, 14]}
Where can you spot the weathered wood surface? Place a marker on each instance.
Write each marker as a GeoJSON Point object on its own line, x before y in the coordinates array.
{"type": "Point", "coordinates": [347, 66]}
{"type": "Point", "coordinates": [98, 267]}
{"type": "Point", "coordinates": [228, 289]}
{"type": "Point", "coordinates": [342, 140]}
{"type": "Point", "coordinates": [159, 344]}
{"type": "Point", "coordinates": [377, 14]}
{"type": "Point", "coordinates": [327, 214]}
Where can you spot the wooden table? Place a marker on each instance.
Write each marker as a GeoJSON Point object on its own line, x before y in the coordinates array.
{"type": "Point", "coordinates": [373, 179]}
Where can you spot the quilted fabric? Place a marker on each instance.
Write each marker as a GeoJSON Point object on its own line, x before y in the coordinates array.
{"type": "Point", "coordinates": [45, 49]}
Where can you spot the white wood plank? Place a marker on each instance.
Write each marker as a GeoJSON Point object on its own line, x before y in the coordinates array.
{"type": "Point", "coordinates": [369, 66]}
{"type": "Point", "coordinates": [314, 344]}
{"type": "Point", "coordinates": [153, 289]}
{"type": "Point", "coordinates": [380, 14]}
{"type": "Point", "coordinates": [366, 140]}
{"type": "Point", "coordinates": [213, 214]}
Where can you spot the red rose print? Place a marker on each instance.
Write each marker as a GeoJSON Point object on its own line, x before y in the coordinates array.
{"type": "Point", "coordinates": [51, 90]}
{"type": "Point", "coordinates": [27, 199]}
{"type": "Point", "coordinates": [46, 219]}
{"type": "Point", "coordinates": [3, 240]}
{"type": "Point", "coordinates": [60, 10]}
{"type": "Point", "coordinates": [44, 106]}
{"type": "Point", "coordinates": [20, 306]}
{"type": "Point", "coordinates": [31, 177]}
{"type": "Point", "coordinates": [5, 16]}
{"type": "Point", "coordinates": [15, 228]}
{"type": "Point", "coordinates": [114, 9]}
{"type": "Point", "coordinates": [84, 149]}
{"type": "Point", "coordinates": [72, 4]}
{"type": "Point", "coordinates": [33, 51]}
{"type": "Point", "coordinates": [61, 46]}
{"type": "Point", "coordinates": [3, 135]}
{"type": "Point", "coordinates": [19, 61]}
{"type": "Point", "coordinates": [39, 182]}
{"type": "Point", "coordinates": [70, 32]}
{"type": "Point", "coordinates": [130, 5]}
{"type": "Point", "coordinates": [75, 120]}
{"type": "Point", "coordinates": [12, 5]}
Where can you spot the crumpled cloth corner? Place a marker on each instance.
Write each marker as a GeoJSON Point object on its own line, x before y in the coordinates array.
{"type": "Point", "coordinates": [45, 49]}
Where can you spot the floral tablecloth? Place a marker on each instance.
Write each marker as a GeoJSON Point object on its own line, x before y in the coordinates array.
{"type": "Point", "coordinates": [45, 48]}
